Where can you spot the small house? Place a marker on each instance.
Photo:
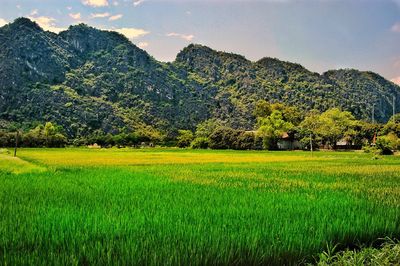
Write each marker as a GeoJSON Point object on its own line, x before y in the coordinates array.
{"type": "Point", "coordinates": [288, 142]}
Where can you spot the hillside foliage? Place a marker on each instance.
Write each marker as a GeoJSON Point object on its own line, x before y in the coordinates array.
{"type": "Point", "coordinates": [92, 82]}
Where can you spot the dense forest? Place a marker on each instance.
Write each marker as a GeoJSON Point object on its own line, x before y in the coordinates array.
{"type": "Point", "coordinates": [97, 86]}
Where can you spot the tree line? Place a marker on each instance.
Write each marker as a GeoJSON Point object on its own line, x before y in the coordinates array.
{"type": "Point", "coordinates": [276, 122]}
{"type": "Point", "coordinates": [331, 129]}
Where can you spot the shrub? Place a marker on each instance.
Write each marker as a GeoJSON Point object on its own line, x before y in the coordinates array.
{"type": "Point", "coordinates": [385, 146]}
{"type": "Point", "coordinates": [394, 140]}
{"type": "Point", "coordinates": [7, 139]}
{"type": "Point", "coordinates": [48, 135]}
{"type": "Point", "coordinates": [223, 138]}
{"type": "Point", "coordinates": [369, 149]}
{"type": "Point", "coordinates": [387, 254]}
{"type": "Point", "coordinates": [184, 138]}
{"type": "Point", "coordinates": [200, 143]}
{"type": "Point", "coordinates": [245, 141]}
{"type": "Point", "coordinates": [305, 143]}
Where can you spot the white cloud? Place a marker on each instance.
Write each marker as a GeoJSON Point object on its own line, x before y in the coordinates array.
{"type": "Point", "coordinates": [69, 7]}
{"type": "Point", "coordinates": [396, 27]}
{"type": "Point", "coordinates": [75, 16]}
{"type": "Point", "coordinates": [18, 6]}
{"type": "Point", "coordinates": [34, 12]}
{"type": "Point", "coordinates": [396, 80]}
{"type": "Point", "coordinates": [106, 15]}
{"type": "Point", "coordinates": [137, 2]}
{"type": "Point", "coordinates": [95, 3]}
{"type": "Point", "coordinates": [188, 13]}
{"type": "Point", "coordinates": [47, 23]}
{"type": "Point", "coordinates": [132, 33]}
{"type": "Point", "coordinates": [186, 37]}
{"type": "Point", "coordinates": [2, 22]}
{"type": "Point", "coordinates": [115, 3]}
{"type": "Point", "coordinates": [100, 15]}
{"type": "Point", "coordinates": [143, 45]}
{"type": "Point", "coordinates": [115, 17]}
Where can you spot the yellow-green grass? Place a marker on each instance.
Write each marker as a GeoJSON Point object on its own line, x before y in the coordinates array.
{"type": "Point", "coordinates": [171, 206]}
{"type": "Point", "coordinates": [126, 157]}
{"type": "Point", "coordinates": [15, 165]}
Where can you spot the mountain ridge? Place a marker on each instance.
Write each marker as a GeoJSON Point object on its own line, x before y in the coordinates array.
{"type": "Point", "coordinates": [87, 79]}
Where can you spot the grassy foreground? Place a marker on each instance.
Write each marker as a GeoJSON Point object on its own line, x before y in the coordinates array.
{"type": "Point", "coordinates": [169, 207]}
{"type": "Point", "coordinates": [387, 254]}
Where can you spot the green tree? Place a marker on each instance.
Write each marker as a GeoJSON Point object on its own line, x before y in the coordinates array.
{"type": "Point", "coordinates": [365, 132]}
{"type": "Point", "coordinates": [289, 113]}
{"type": "Point", "coordinates": [308, 130]}
{"type": "Point", "coordinates": [199, 143]}
{"type": "Point", "coordinates": [185, 137]}
{"type": "Point", "coordinates": [335, 125]}
{"type": "Point", "coordinates": [223, 138]}
{"type": "Point", "coordinates": [384, 145]}
{"type": "Point", "coordinates": [246, 141]}
{"type": "Point", "coordinates": [49, 131]}
{"type": "Point", "coordinates": [149, 134]}
{"type": "Point", "coordinates": [206, 128]}
{"type": "Point", "coordinates": [393, 125]}
{"type": "Point", "coordinates": [48, 135]}
{"type": "Point", "coordinates": [271, 129]}
{"type": "Point", "coordinates": [262, 109]}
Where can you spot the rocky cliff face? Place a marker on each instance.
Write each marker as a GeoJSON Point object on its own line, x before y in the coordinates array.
{"type": "Point", "coordinates": [239, 83]}
{"type": "Point", "coordinates": [87, 79]}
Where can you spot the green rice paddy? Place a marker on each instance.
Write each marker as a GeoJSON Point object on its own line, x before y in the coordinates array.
{"type": "Point", "coordinates": [185, 207]}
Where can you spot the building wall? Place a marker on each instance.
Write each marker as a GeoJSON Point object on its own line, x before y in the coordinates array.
{"type": "Point", "coordinates": [289, 145]}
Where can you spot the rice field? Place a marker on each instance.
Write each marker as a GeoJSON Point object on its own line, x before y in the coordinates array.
{"type": "Point", "coordinates": [186, 207]}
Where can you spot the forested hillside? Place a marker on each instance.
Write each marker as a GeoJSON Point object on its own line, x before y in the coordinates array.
{"type": "Point", "coordinates": [89, 80]}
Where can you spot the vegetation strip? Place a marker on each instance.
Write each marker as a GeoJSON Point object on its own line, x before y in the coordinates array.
{"type": "Point", "coordinates": [269, 210]}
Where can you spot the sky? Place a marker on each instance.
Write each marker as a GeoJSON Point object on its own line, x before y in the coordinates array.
{"type": "Point", "coordinates": [319, 34]}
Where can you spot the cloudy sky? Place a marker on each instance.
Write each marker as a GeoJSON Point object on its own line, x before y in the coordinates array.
{"type": "Point", "coordinates": [319, 34]}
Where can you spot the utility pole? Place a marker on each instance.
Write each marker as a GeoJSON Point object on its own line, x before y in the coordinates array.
{"type": "Point", "coordinates": [311, 147]}
{"type": "Point", "coordinates": [16, 143]}
{"type": "Point", "coordinates": [394, 107]}
{"type": "Point", "coordinates": [373, 113]}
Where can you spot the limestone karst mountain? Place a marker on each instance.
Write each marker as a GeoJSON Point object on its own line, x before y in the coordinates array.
{"type": "Point", "coordinates": [86, 79]}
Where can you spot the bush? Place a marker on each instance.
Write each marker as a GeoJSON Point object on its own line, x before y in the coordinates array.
{"type": "Point", "coordinates": [48, 135]}
{"type": "Point", "coordinates": [229, 138]}
{"type": "Point", "coordinates": [394, 140]}
{"type": "Point", "coordinates": [78, 142]}
{"type": "Point", "coordinates": [223, 138]}
{"type": "Point", "coordinates": [245, 141]}
{"type": "Point", "coordinates": [369, 149]}
{"type": "Point", "coordinates": [387, 254]}
{"type": "Point", "coordinates": [385, 146]}
{"type": "Point", "coordinates": [7, 139]}
{"type": "Point", "coordinates": [56, 141]}
{"type": "Point", "coordinates": [200, 143]}
{"type": "Point", "coordinates": [184, 138]}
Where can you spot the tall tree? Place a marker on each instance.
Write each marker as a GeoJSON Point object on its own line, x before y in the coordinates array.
{"type": "Point", "coordinates": [334, 125]}
{"type": "Point", "coordinates": [271, 128]}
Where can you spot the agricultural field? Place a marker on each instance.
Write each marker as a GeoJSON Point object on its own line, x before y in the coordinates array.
{"type": "Point", "coordinates": [192, 207]}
